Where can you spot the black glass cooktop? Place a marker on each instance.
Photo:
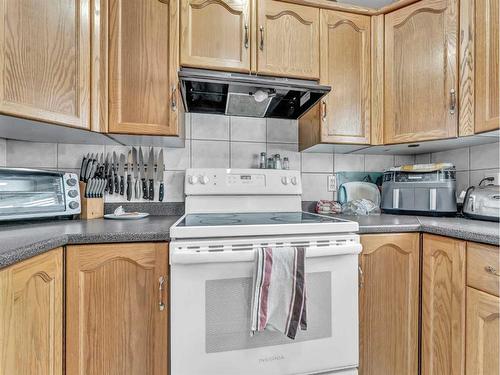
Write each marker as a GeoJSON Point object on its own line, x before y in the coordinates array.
{"type": "Point", "coordinates": [260, 218]}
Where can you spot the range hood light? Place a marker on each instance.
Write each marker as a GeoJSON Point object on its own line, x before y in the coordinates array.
{"type": "Point", "coordinates": [260, 96]}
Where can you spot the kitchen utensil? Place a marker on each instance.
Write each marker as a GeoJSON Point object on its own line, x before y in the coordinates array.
{"type": "Point", "coordinates": [127, 216]}
{"type": "Point", "coordinates": [483, 201]}
{"type": "Point", "coordinates": [159, 175]}
{"type": "Point", "coordinates": [88, 168]}
{"type": "Point", "coordinates": [135, 170]}
{"type": "Point", "coordinates": [84, 166]}
{"type": "Point", "coordinates": [129, 175]}
{"type": "Point", "coordinates": [106, 172]}
{"type": "Point", "coordinates": [121, 172]}
{"type": "Point", "coordinates": [116, 181]}
{"type": "Point", "coordinates": [151, 170]}
{"type": "Point", "coordinates": [143, 175]}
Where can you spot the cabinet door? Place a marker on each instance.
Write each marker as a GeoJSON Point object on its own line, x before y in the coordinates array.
{"type": "Point", "coordinates": [45, 60]}
{"type": "Point", "coordinates": [345, 65]}
{"type": "Point", "coordinates": [113, 321]}
{"type": "Point", "coordinates": [143, 61]}
{"type": "Point", "coordinates": [483, 338]}
{"type": "Point", "coordinates": [421, 72]}
{"type": "Point", "coordinates": [443, 306]}
{"type": "Point", "coordinates": [31, 321]}
{"type": "Point", "coordinates": [216, 34]}
{"type": "Point", "coordinates": [388, 309]}
{"type": "Point", "coordinates": [288, 39]}
{"type": "Point", "coordinates": [487, 78]}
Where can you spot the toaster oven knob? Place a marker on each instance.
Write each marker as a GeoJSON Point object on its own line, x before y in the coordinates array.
{"type": "Point", "coordinates": [204, 180]}
{"type": "Point", "coordinates": [71, 182]}
{"type": "Point", "coordinates": [285, 180]}
{"type": "Point", "coordinates": [193, 180]}
{"type": "Point", "coordinates": [294, 180]}
{"type": "Point", "coordinates": [72, 193]}
{"type": "Point", "coordinates": [73, 205]}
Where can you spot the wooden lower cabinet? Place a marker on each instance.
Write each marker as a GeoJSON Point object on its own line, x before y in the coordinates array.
{"type": "Point", "coordinates": [31, 320]}
{"type": "Point", "coordinates": [443, 306]}
{"type": "Point", "coordinates": [389, 304]}
{"type": "Point", "coordinates": [114, 322]}
{"type": "Point", "coordinates": [483, 333]}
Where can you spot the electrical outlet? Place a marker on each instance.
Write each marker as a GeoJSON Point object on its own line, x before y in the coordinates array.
{"type": "Point", "coordinates": [332, 183]}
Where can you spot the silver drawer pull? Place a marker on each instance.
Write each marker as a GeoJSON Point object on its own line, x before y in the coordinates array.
{"type": "Point", "coordinates": [491, 270]}
{"type": "Point", "coordinates": [361, 277]}
{"type": "Point", "coordinates": [161, 304]}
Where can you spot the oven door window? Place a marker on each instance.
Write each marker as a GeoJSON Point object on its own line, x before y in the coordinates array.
{"type": "Point", "coordinates": [27, 193]}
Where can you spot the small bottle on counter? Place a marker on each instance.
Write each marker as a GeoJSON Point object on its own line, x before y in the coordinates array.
{"type": "Point", "coordinates": [263, 160]}
{"type": "Point", "coordinates": [270, 164]}
{"type": "Point", "coordinates": [286, 163]}
{"type": "Point", "coordinates": [277, 161]}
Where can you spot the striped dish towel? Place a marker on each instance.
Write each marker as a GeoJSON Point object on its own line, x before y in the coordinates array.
{"type": "Point", "coordinates": [279, 299]}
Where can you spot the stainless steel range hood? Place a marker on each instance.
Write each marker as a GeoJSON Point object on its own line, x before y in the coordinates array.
{"type": "Point", "coordinates": [235, 94]}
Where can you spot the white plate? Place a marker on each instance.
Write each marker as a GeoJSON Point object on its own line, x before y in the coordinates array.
{"type": "Point", "coordinates": [129, 216]}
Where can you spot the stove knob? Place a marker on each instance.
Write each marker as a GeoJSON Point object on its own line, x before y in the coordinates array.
{"type": "Point", "coordinates": [294, 180]}
{"type": "Point", "coordinates": [193, 180]}
{"type": "Point", "coordinates": [204, 180]}
{"type": "Point", "coordinates": [285, 180]}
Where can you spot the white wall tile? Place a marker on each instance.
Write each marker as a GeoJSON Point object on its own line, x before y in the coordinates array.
{"type": "Point", "coordinates": [286, 150]}
{"type": "Point", "coordinates": [31, 154]}
{"type": "Point", "coordinates": [3, 152]}
{"type": "Point", "coordinates": [246, 154]}
{"type": "Point", "coordinates": [459, 158]}
{"type": "Point", "coordinates": [349, 162]}
{"type": "Point", "coordinates": [462, 182]}
{"type": "Point", "coordinates": [378, 163]}
{"type": "Point", "coordinates": [210, 154]}
{"type": "Point", "coordinates": [404, 159]}
{"type": "Point", "coordinates": [248, 129]}
{"type": "Point", "coordinates": [70, 155]}
{"type": "Point", "coordinates": [485, 156]}
{"type": "Point", "coordinates": [315, 187]}
{"type": "Point", "coordinates": [178, 159]}
{"type": "Point", "coordinates": [422, 159]}
{"type": "Point", "coordinates": [282, 131]}
{"type": "Point", "coordinates": [187, 125]}
{"type": "Point", "coordinates": [174, 186]}
{"type": "Point", "coordinates": [210, 127]}
{"type": "Point", "coordinates": [316, 162]}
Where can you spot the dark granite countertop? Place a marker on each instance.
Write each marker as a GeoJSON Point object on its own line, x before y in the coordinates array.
{"type": "Point", "coordinates": [21, 241]}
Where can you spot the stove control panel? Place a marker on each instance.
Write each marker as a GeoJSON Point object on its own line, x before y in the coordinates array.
{"type": "Point", "coordinates": [242, 181]}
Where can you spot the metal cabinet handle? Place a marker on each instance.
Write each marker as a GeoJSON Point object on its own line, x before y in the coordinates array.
{"type": "Point", "coordinates": [361, 277]}
{"type": "Point", "coordinates": [261, 38]}
{"type": "Point", "coordinates": [246, 36]}
{"type": "Point", "coordinates": [453, 101]}
{"type": "Point", "coordinates": [491, 270]}
{"type": "Point", "coordinates": [161, 305]}
{"type": "Point", "coordinates": [174, 98]}
{"type": "Point", "coordinates": [323, 117]}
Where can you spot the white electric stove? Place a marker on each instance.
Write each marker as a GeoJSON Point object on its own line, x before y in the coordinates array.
{"type": "Point", "coordinates": [229, 214]}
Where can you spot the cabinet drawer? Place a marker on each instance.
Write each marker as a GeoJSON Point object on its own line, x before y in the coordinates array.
{"type": "Point", "coordinates": [483, 267]}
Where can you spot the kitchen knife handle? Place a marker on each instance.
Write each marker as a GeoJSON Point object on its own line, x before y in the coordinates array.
{"type": "Point", "coordinates": [161, 192]}
{"type": "Point", "coordinates": [117, 184]}
{"type": "Point", "coordinates": [129, 187]}
{"type": "Point", "coordinates": [144, 189]}
{"type": "Point", "coordinates": [137, 188]}
{"type": "Point", "coordinates": [111, 186]}
{"type": "Point", "coordinates": [151, 193]}
{"type": "Point", "coordinates": [122, 187]}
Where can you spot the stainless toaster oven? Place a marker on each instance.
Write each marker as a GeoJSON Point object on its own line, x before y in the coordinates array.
{"type": "Point", "coordinates": [422, 189]}
{"type": "Point", "coordinates": [29, 193]}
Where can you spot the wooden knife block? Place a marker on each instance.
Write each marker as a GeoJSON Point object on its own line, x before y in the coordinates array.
{"type": "Point", "coordinates": [92, 208]}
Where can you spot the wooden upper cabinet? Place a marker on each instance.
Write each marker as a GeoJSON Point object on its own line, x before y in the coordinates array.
{"type": "Point", "coordinates": [287, 39]}
{"type": "Point", "coordinates": [114, 324]}
{"type": "Point", "coordinates": [443, 306]}
{"type": "Point", "coordinates": [143, 66]}
{"type": "Point", "coordinates": [31, 320]}
{"type": "Point", "coordinates": [345, 66]}
{"type": "Point", "coordinates": [483, 333]}
{"type": "Point", "coordinates": [216, 34]}
{"type": "Point", "coordinates": [421, 86]}
{"type": "Point", "coordinates": [45, 60]}
{"type": "Point", "coordinates": [389, 304]}
{"type": "Point", "coordinates": [487, 74]}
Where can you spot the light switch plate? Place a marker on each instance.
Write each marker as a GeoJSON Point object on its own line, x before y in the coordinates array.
{"type": "Point", "coordinates": [332, 183]}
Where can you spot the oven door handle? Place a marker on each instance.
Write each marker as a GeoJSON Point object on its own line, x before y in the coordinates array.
{"type": "Point", "coordinates": [194, 257]}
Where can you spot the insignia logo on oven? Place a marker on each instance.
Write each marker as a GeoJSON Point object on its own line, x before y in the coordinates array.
{"type": "Point", "coordinates": [273, 358]}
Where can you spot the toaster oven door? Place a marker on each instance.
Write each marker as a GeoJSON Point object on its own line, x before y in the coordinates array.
{"type": "Point", "coordinates": [25, 194]}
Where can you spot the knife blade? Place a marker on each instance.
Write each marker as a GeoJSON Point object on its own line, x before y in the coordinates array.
{"type": "Point", "coordinates": [84, 166]}
{"type": "Point", "coordinates": [121, 169]}
{"type": "Point", "coordinates": [88, 168]}
{"type": "Point", "coordinates": [151, 174]}
{"type": "Point", "coordinates": [159, 175]}
{"type": "Point", "coordinates": [115, 173]}
{"type": "Point", "coordinates": [106, 172]}
{"type": "Point", "coordinates": [129, 175]}
{"type": "Point", "coordinates": [135, 170]}
{"type": "Point", "coordinates": [143, 175]}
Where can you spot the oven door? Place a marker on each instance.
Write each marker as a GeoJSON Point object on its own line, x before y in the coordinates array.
{"type": "Point", "coordinates": [210, 315]}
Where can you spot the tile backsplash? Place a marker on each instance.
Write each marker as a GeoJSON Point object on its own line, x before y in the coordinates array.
{"type": "Point", "coordinates": [236, 142]}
